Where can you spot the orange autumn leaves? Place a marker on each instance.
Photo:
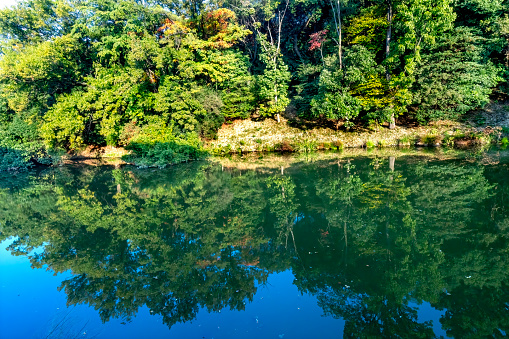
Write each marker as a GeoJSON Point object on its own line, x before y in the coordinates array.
{"type": "Point", "coordinates": [217, 29]}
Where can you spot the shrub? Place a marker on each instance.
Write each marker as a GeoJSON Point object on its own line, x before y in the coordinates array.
{"type": "Point", "coordinates": [156, 145]}
{"type": "Point", "coordinates": [370, 144]}
{"type": "Point", "coordinates": [307, 146]}
{"type": "Point", "coordinates": [431, 139]}
{"type": "Point", "coordinates": [327, 145]}
{"type": "Point", "coordinates": [404, 140]}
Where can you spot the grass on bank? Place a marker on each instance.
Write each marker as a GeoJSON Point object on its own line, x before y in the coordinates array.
{"type": "Point", "coordinates": [245, 136]}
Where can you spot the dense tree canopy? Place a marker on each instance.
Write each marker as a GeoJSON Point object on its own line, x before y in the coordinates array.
{"type": "Point", "coordinates": [164, 73]}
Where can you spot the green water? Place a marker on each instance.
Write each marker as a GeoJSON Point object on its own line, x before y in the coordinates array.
{"type": "Point", "coordinates": [404, 246]}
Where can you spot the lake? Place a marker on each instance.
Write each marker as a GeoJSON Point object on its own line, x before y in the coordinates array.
{"type": "Point", "coordinates": [372, 245]}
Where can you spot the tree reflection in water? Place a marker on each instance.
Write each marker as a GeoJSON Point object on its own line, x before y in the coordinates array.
{"type": "Point", "coordinates": [370, 237]}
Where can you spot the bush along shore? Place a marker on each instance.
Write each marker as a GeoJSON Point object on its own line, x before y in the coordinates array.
{"type": "Point", "coordinates": [270, 136]}
{"type": "Point", "coordinates": [153, 146]}
{"type": "Point", "coordinates": [157, 148]}
{"type": "Point", "coordinates": [173, 81]}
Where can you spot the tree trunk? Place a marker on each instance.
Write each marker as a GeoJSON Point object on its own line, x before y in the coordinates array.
{"type": "Point", "coordinates": [336, 11]}
{"type": "Point", "coordinates": [340, 38]}
{"type": "Point", "coordinates": [296, 46]}
{"type": "Point", "coordinates": [388, 38]}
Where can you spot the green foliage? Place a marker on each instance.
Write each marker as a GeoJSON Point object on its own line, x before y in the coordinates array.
{"type": "Point", "coordinates": [368, 28]}
{"type": "Point", "coordinates": [238, 90]}
{"type": "Point", "coordinates": [341, 95]}
{"type": "Point", "coordinates": [155, 144]}
{"type": "Point", "coordinates": [272, 84]}
{"type": "Point", "coordinates": [33, 21]}
{"type": "Point", "coordinates": [20, 144]}
{"type": "Point", "coordinates": [34, 75]}
{"type": "Point", "coordinates": [308, 76]}
{"type": "Point", "coordinates": [79, 72]}
{"type": "Point", "coordinates": [431, 139]}
{"type": "Point", "coordinates": [370, 144]}
{"type": "Point", "coordinates": [122, 63]}
{"type": "Point", "coordinates": [306, 145]}
{"type": "Point", "coordinates": [453, 78]}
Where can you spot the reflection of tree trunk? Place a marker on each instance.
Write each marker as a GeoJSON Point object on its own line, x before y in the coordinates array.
{"type": "Point", "coordinates": [388, 239]}
{"type": "Point", "coordinates": [392, 161]}
{"type": "Point", "coordinates": [346, 243]}
{"type": "Point", "coordinates": [294, 244]}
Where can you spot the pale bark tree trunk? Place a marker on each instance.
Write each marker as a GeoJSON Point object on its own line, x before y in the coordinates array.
{"type": "Point", "coordinates": [392, 123]}
{"type": "Point", "coordinates": [296, 46]}
{"type": "Point", "coordinates": [277, 44]}
{"type": "Point", "coordinates": [336, 11]}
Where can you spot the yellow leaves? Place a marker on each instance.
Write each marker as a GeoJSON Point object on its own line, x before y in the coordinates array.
{"type": "Point", "coordinates": [378, 93]}
{"type": "Point", "coordinates": [372, 93]}
{"type": "Point", "coordinates": [367, 29]}
{"type": "Point", "coordinates": [217, 29]}
{"type": "Point", "coordinates": [171, 28]}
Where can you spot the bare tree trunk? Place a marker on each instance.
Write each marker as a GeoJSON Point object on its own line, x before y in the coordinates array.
{"type": "Point", "coordinates": [336, 11]}
{"type": "Point", "coordinates": [280, 19]}
{"type": "Point", "coordinates": [388, 38]}
{"type": "Point", "coordinates": [296, 46]}
{"type": "Point", "coordinates": [340, 38]}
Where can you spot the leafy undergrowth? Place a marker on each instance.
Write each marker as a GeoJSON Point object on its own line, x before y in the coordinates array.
{"type": "Point", "coordinates": [162, 154]}
{"type": "Point", "coordinates": [155, 145]}
{"type": "Point", "coordinates": [23, 156]}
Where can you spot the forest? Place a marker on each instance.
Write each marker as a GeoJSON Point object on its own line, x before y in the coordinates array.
{"type": "Point", "coordinates": [160, 76]}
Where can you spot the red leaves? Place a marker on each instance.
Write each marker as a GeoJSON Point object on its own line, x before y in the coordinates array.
{"type": "Point", "coordinates": [316, 39]}
{"type": "Point", "coordinates": [217, 22]}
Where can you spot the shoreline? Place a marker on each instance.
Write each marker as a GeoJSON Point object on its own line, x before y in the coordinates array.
{"type": "Point", "coordinates": [246, 136]}
{"type": "Point", "coordinates": [266, 137]}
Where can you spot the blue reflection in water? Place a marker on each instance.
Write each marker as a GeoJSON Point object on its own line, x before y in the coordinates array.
{"type": "Point", "coordinates": [325, 250]}
{"type": "Point", "coordinates": [32, 307]}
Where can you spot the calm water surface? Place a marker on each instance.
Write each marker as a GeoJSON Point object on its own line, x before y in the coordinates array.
{"type": "Point", "coordinates": [371, 246]}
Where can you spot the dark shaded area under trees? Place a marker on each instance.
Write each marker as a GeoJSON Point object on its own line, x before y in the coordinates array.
{"type": "Point", "coordinates": [159, 76]}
